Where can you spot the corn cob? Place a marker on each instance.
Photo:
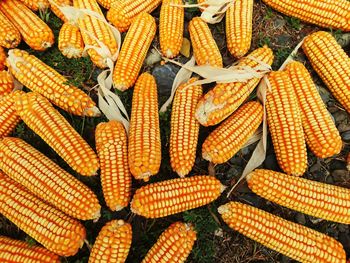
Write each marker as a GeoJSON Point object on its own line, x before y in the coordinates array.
{"type": "Point", "coordinates": [184, 128]}
{"type": "Point", "coordinates": [293, 240]}
{"type": "Point", "coordinates": [144, 135]}
{"type": "Point", "coordinates": [55, 9]}
{"type": "Point", "coordinates": [173, 246]}
{"type": "Point", "coordinates": [70, 41]}
{"type": "Point", "coordinates": [12, 250]}
{"type": "Point", "coordinates": [123, 12]}
{"type": "Point", "coordinates": [92, 29]}
{"type": "Point", "coordinates": [6, 83]}
{"type": "Point", "coordinates": [220, 102]}
{"type": "Point", "coordinates": [226, 140]}
{"type": "Point", "coordinates": [54, 129]}
{"type": "Point", "coordinates": [33, 30]}
{"type": "Point", "coordinates": [2, 58]}
{"type": "Point", "coordinates": [39, 77]}
{"type": "Point", "coordinates": [36, 5]}
{"type": "Point", "coordinates": [134, 51]}
{"type": "Point", "coordinates": [106, 3]}
{"type": "Point", "coordinates": [34, 171]}
{"type": "Point", "coordinates": [9, 35]}
{"type": "Point", "coordinates": [204, 46]}
{"type": "Point", "coordinates": [331, 63]}
{"type": "Point", "coordinates": [284, 120]}
{"type": "Point", "coordinates": [239, 26]}
{"type": "Point", "coordinates": [113, 243]}
{"type": "Point", "coordinates": [321, 134]}
{"type": "Point", "coordinates": [174, 196]}
{"type": "Point", "coordinates": [112, 149]}
{"type": "Point", "coordinates": [325, 13]}
{"type": "Point", "coordinates": [313, 198]}
{"type": "Point", "coordinates": [52, 228]}
{"type": "Point", "coordinates": [8, 116]}
{"type": "Point", "coordinates": [171, 27]}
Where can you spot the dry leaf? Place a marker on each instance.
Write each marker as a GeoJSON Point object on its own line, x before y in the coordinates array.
{"type": "Point", "coordinates": [186, 48]}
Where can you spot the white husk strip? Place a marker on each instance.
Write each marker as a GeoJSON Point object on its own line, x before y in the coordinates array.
{"type": "Point", "coordinates": [213, 10]}
{"type": "Point", "coordinates": [109, 102]}
{"type": "Point", "coordinates": [259, 154]}
{"type": "Point", "coordinates": [225, 75]}
{"type": "Point", "coordinates": [181, 77]}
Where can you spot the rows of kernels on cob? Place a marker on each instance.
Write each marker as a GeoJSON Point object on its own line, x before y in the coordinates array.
{"type": "Point", "coordinates": [293, 107]}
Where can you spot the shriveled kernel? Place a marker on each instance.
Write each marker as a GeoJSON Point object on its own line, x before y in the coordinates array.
{"type": "Point", "coordinates": [70, 41]}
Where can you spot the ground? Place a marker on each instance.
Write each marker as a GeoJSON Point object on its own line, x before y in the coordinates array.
{"type": "Point", "coordinates": [216, 242]}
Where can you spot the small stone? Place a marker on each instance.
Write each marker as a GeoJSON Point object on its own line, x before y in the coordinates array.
{"type": "Point", "coordinates": [343, 228]}
{"type": "Point", "coordinates": [340, 116]}
{"type": "Point", "coordinates": [332, 109]}
{"type": "Point", "coordinates": [346, 136]}
{"type": "Point", "coordinates": [279, 23]}
{"type": "Point", "coordinates": [165, 76]}
{"type": "Point", "coordinates": [343, 127]}
{"type": "Point", "coordinates": [325, 94]}
{"type": "Point", "coordinates": [300, 218]}
{"type": "Point", "coordinates": [340, 175]}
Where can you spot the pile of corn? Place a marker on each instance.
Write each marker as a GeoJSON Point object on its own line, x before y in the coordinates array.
{"type": "Point", "coordinates": [47, 202]}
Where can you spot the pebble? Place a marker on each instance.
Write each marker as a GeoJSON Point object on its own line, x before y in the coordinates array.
{"type": "Point", "coordinates": [346, 136]}
{"type": "Point", "coordinates": [300, 218]}
{"type": "Point", "coordinates": [340, 175]}
{"type": "Point", "coordinates": [343, 127]}
{"type": "Point", "coordinates": [279, 23]}
{"type": "Point", "coordinates": [165, 76]}
{"type": "Point", "coordinates": [340, 116]}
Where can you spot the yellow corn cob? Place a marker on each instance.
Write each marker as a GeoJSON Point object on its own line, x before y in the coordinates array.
{"type": "Point", "coordinates": [36, 5]}
{"type": "Point", "coordinates": [171, 27]}
{"type": "Point", "coordinates": [9, 35]}
{"type": "Point", "coordinates": [112, 149]}
{"type": "Point", "coordinates": [184, 128]}
{"type": "Point", "coordinates": [34, 171]}
{"type": "Point", "coordinates": [173, 246]}
{"type": "Point", "coordinates": [293, 240]}
{"type": "Point", "coordinates": [2, 58]}
{"type": "Point", "coordinates": [8, 116]}
{"type": "Point", "coordinates": [123, 12]}
{"type": "Point", "coordinates": [39, 77]}
{"type": "Point", "coordinates": [92, 29]}
{"type": "Point", "coordinates": [204, 46]}
{"type": "Point", "coordinates": [325, 13]}
{"type": "Point", "coordinates": [6, 83]}
{"type": "Point", "coordinates": [321, 134]}
{"type": "Point", "coordinates": [70, 41]}
{"type": "Point", "coordinates": [239, 23]}
{"type": "Point", "coordinates": [52, 228]}
{"type": "Point", "coordinates": [134, 51]}
{"type": "Point", "coordinates": [284, 120]}
{"type": "Point", "coordinates": [226, 140]}
{"type": "Point", "coordinates": [144, 136]}
{"type": "Point", "coordinates": [40, 116]}
{"type": "Point", "coordinates": [12, 250]}
{"type": "Point", "coordinates": [34, 31]}
{"type": "Point", "coordinates": [313, 198]}
{"type": "Point", "coordinates": [220, 102]}
{"type": "Point", "coordinates": [175, 196]}
{"type": "Point", "coordinates": [113, 243]}
{"type": "Point", "coordinates": [331, 63]}
{"type": "Point", "coordinates": [106, 3]}
{"type": "Point", "coordinates": [56, 11]}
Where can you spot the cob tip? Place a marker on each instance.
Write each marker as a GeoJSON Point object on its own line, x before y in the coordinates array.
{"type": "Point", "coordinates": [206, 156]}
{"type": "Point", "coordinates": [223, 209]}
{"type": "Point", "coordinates": [204, 109]}
{"type": "Point", "coordinates": [92, 112]}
